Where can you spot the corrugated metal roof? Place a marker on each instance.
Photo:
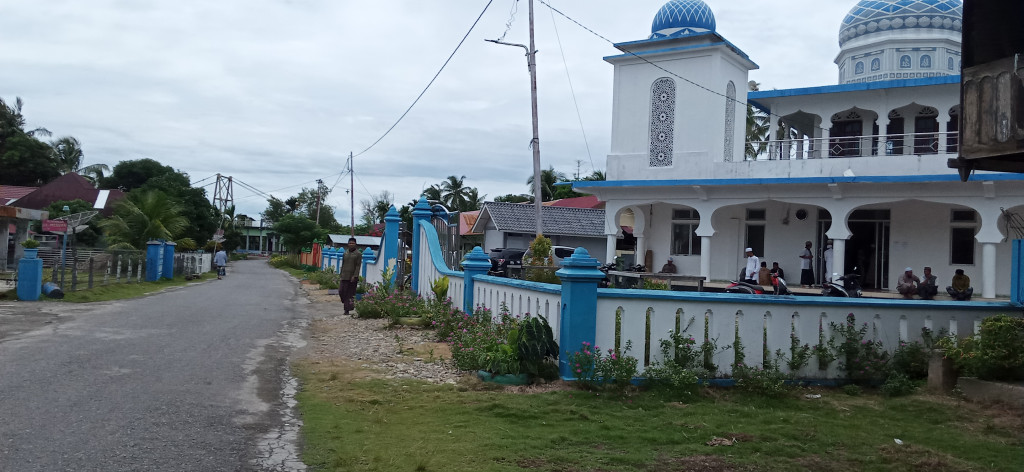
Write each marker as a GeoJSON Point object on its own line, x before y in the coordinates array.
{"type": "Point", "coordinates": [561, 221]}
{"type": "Point", "coordinates": [70, 186]}
{"type": "Point", "coordinates": [10, 193]}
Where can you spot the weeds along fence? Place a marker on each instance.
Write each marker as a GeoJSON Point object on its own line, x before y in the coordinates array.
{"type": "Point", "coordinates": [763, 330]}
{"type": "Point", "coordinates": [88, 268]}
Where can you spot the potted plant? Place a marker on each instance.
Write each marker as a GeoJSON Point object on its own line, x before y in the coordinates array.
{"type": "Point", "coordinates": [31, 248]}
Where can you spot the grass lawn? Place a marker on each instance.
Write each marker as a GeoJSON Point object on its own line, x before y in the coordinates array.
{"type": "Point", "coordinates": [354, 421]}
{"type": "Point", "coordinates": [112, 291]}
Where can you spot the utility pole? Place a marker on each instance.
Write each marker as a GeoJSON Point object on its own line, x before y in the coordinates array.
{"type": "Point", "coordinates": [352, 194]}
{"type": "Point", "coordinates": [531, 61]}
{"type": "Point", "coordinates": [319, 197]}
{"type": "Point", "coordinates": [223, 194]}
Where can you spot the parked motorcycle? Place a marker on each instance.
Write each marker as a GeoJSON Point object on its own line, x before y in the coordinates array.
{"type": "Point", "coordinates": [779, 287]}
{"type": "Point", "coordinates": [850, 286]}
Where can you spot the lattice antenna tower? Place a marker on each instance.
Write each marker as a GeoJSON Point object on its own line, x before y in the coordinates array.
{"type": "Point", "coordinates": [223, 193]}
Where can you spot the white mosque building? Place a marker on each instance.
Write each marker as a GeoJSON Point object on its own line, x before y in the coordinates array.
{"type": "Point", "coordinates": [861, 163]}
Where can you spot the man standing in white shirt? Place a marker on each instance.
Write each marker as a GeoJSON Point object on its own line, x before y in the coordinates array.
{"type": "Point", "coordinates": [827, 276]}
{"type": "Point", "coordinates": [806, 272]}
{"type": "Point", "coordinates": [753, 265]}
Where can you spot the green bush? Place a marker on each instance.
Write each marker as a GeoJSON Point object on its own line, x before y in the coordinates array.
{"type": "Point", "coordinates": [898, 385]}
{"type": "Point", "coordinates": [284, 260]}
{"type": "Point", "coordinates": [770, 382]}
{"type": "Point", "coordinates": [595, 370]}
{"type": "Point", "coordinates": [326, 279]}
{"type": "Point", "coordinates": [865, 361]}
{"type": "Point", "coordinates": [996, 354]}
{"type": "Point", "coordinates": [852, 390]}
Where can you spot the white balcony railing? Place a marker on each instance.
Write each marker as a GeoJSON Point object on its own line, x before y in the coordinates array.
{"type": "Point", "coordinates": [912, 144]}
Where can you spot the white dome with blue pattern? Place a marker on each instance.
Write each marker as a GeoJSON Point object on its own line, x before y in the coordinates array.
{"type": "Point", "coordinates": [872, 16]}
{"type": "Point", "coordinates": [682, 18]}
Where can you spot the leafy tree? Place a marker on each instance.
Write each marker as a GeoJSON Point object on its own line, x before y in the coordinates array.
{"type": "Point", "coordinates": [298, 231]}
{"type": "Point", "coordinates": [511, 198]}
{"type": "Point", "coordinates": [26, 161]}
{"type": "Point", "coordinates": [143, 216]}
{"type": "Point", "coordinates": [276, 210]}
{"type": "Point", "coordinates": [548, 178]}
{"type": "Point", "coordinates": [376, 207]}
{"type": "Point", "coordinates": [133, 174]}
{"type": "Point", "coordinates": [12, 122]}
{"type": "Point", "coordinates": [200, 213]}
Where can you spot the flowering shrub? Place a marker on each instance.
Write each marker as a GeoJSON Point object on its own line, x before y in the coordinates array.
{"type": "Point", "coordinates": [675, 373]}
{"type": "Point", "coordinates": [403, 304]}
{"type": "Point", "coordinates": [911, 360]}
{"type": "Point", "coordinates": [477, 341]}
{"type": "Point", "coordinates": [594, 370]}
{"type": "Point", "coordinates": [863, 360]}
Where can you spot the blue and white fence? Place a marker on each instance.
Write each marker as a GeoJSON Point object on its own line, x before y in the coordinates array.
{"type": "Point", "coordinates": [578, 311]}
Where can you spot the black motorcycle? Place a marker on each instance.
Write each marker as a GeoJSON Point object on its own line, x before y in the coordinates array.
{"type": "Point", "coordinates": [850, 287]}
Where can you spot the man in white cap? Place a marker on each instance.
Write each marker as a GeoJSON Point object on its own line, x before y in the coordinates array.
{"type": "Point", "coordinates": [753, 265]}
{"type": "Point", "coordinates": [907, 283]}
{"type": "Point", "coordinates": [669, 267]}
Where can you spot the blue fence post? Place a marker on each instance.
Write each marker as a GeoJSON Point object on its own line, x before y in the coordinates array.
{"type": "Point", "coordinates": [580, 277]}
{"type": "Point", "coordinates": [30, 275]}
{"type": "Point", "coordinates": [1017, 273]}
{"type": "Point", "coordinates": [154, 264]}
{"type": "Point", "coordinates": [476, 263]}
{"type": "Point", "coordinates": [369, 257]}
{"type": "Point", "coordinates": [421, 212]}
{"type": "Point", "coordinates": [391, 221]}
{"type": "Point", "coordinates": [168, 272]}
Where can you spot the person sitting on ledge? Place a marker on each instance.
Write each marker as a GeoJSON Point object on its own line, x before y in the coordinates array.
{"type": "Point", "coordinates": [961, 289]}
{"type": "Point", "coordinates": [668, 268]}
{"type": "Point", "coordinates": [763, 275]}
{"type": "Point", "coordinates": [907, 283]}
{"type": "Point", "coordinates": [927, 289]}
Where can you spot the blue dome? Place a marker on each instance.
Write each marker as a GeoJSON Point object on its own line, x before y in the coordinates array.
{"type": "Point", "coordinates": [872, 16]}
{"type": "Point", "coordinates": [682, 18]}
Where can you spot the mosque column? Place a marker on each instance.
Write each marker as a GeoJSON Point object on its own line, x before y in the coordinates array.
{"type": "Point", "coordinates": [705, 258]}
{"type": "Point", "coordinates": [940, 140]}
{"type": "Point", "coordinates": [609, 250]}
{"type": "Point", "coordinates": [883, 126]}
{"type": "Point", "coordinates": [800, 147]}
{"type": "Point", "coordinates": [641, 250]}
{"type": "Point", "coordinates": [838, 258]}
{"type": "Point", "coordinates": [988, 269]}
{"type": "Point", "coordinates": [823, 142]}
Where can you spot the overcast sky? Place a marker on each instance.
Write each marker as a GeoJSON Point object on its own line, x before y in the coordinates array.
{"type": "Point", "coordinates": [276, 93]}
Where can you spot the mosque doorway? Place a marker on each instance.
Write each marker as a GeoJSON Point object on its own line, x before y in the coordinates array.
{"type": "Point", "coordinates": [867, 250]}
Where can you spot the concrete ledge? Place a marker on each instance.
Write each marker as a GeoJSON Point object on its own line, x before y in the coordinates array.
{"type": "Point", "coordinates": [985, 391]}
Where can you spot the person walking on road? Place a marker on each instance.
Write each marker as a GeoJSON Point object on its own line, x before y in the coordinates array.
{"type": "Point", "coordinates": [351, 264]}
{"type": "Point", "coordinates": [221, 261]}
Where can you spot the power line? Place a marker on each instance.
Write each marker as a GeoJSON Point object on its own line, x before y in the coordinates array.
{"type": "Point", "coordinates": [430, 83]}
{"type": "Point", "coordinates": [631, 53]}
{"type": "Point", "coordinates": [511, 19]}
{"type": "Point", "coordinates": [572, 91]}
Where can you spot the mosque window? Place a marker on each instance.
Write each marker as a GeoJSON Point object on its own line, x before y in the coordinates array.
{"type": "Point", "coordinates": [685, 241]}
{"type": "Point", "coordinates": [730, 119]}
{"type": "Point", "coordinates": [859, 68]}
{"type": "Point", "coordinates": [905, 62]}
{"type": "Point", "coordinates": [876, 64]}
{"type": "Point", "coordinates": [949, 63]}
{"type": "Point", "coordinates": [926, 62]}
{"type": "Point", "coordinates": [663, 122]}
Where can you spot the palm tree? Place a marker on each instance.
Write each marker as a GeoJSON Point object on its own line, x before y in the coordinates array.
{"type": "Point", "coordinates": [597, 175]}
{"type": "Point", "coordinates": [67, 151]}
{"type": "Point", "coordinates": [11, 119]}
{"type": "Point", "coordinates": [548, 178]}
{"type": "Point", "coordinates": [142, 217]}
{"type": "Point", "coordinates": [433, 193]}
{"type": "Point", "coordinates": [474, 200]}
{"type": "Point", "coordinates": [757, 128]}
{"type": "Point", "coordinates": [453, 192]}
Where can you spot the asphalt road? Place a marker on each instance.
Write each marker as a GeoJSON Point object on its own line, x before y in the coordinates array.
{"type": "Point", "coordinates": [194, 378]}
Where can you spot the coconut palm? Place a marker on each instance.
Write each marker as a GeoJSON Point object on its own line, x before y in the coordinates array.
{"type": "Point", "coordinates": [757, 128]}
{"type": "Point", "coordinates": [67, 151]}
{"type": "Point", "coordinates": [548, 178]}
{"type": "Point", "coordinates": [474, 200]}
{"type": "Point", "coordinates": [12, 120]}
{"type": "Point", "coordinates": [453, 192]}
{"type": "Point", "coordinates": [142, 217]}
{"type": "Point", "coordinates": [433, 193]}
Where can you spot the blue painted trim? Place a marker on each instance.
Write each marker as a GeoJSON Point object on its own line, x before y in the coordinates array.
{"type": "Point", "coordinates": [880, 85]}
{"type": "Point", "coordinates": [714, 297]}
{"type": "Point", "coordinates": [643, 42]}
{"type": "Point", "coordinates": [518, 283]}
{"type": "Point", "coordinates": [434, 246]}
{"type": "Point", "coordinates": [641, 381]}
{"type": "Point", "coordinates": [1017, 273]}
{"type": "Point", "coordinates": [874, 179]}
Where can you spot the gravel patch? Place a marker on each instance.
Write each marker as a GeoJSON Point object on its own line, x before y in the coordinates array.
{"type": "Point", "coordinates": [396, 352]}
